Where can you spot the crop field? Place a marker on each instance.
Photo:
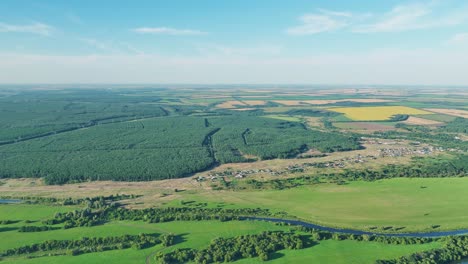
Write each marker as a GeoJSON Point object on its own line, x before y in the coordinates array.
{"type": "Point", "coordinates": [377, 112]}
{"type": "Point", "coordinates": [412, 120]}
{"type": "Point", "coordinates": [452, 112]}
{"type": "Point", "coordinates": [438, 117]}
{"type": "Point", "coordinates": [231, 104]}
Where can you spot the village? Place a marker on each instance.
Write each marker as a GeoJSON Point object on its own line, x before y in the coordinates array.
{"type": "Point", "coordinates": [416, 149]}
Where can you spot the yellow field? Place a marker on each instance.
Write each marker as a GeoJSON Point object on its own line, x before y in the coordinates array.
{"type": "Point", "coordinates": [230, 104]}
{"type": "Point", "coordinates": [377, 112]}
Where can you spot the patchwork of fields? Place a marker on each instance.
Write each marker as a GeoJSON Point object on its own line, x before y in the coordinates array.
{"type": "Point", "coordinates": [384, 161]}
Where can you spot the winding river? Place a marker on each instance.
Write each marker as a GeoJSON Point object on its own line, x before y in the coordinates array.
{"type": "Point", "coordinates": [330, 229]}
{"type": "Point", "coordinates": [358, 232]}
{"type": "Point", "coordinates": [9, 201]}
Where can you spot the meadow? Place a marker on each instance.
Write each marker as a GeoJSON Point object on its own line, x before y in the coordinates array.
{"type": "Point", "coordinates": [192, 235]}
{"type": "Point", "coordinates": [415, 204]}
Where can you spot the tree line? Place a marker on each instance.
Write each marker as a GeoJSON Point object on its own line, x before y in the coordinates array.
{"type": "Point", "coordinates": [235, 248]}
{"type": "Point", "coordinates": [94, 244]}
{"type": "Point", "coordinates": [90, 217]}
{"type": "Point", "coordinates": [455, 248]}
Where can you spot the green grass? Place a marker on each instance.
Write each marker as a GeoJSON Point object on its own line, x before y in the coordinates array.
{"type": "Point", "coordinates": [194, 235]}
{"type": "Point", "coordinates": [343, 252]}
{"type": "Point", "coordinates": [415, 204]}
{"type": "Point", "coordinates": [284, 117]}
{"type": "Point", "coordinates": [438, 117]}
{"type": "Point", "coordinates": [345, 203]}
{"type": "Point", "coordinates": [31, 212]}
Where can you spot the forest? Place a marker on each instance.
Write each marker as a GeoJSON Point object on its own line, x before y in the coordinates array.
{"type": "Point", "coordinates": [151, 148]}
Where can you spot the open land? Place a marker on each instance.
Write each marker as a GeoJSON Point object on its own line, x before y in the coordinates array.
{"type": "Point", "coordinates": [195, 158]}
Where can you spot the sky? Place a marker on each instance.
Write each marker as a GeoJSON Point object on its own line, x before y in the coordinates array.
{"type": "Point", "coordinates": [234, 42]}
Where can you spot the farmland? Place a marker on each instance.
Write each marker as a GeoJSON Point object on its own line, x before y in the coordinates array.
{"type": "Point", "coordinates": [167, 175]}
{"type": "Point", "coordinates": [377, 113]}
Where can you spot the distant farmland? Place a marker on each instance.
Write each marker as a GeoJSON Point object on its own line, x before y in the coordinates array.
{"type": "Point", "coordinates": [376, 113]}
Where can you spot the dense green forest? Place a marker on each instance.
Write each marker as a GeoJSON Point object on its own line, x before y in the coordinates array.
{"type": "Point", "coordinates": [78, 136]}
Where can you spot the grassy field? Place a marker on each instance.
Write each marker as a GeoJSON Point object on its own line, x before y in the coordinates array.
{"type": "Point", "coordinates": [438, 117]}
{"type": "Point", "coordinates": [30, 212]}
{"type": "Point", "coordinates": [193, 235]}
{"type": "Point", "coordinates": [284, 117]}
{"type": "Point", "coordinates": [376, 112]}
{"type": "Point", "coordinates": [415, 204]}
{"type": "Point", "coordinates": [343, 252]}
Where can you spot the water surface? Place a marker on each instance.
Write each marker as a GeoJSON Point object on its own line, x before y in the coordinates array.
{"type": "Point", "coordinates": [358, 232]}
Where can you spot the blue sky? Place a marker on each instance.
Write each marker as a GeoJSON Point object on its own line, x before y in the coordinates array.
{"type": "Point", "coordinates": [208, 41]}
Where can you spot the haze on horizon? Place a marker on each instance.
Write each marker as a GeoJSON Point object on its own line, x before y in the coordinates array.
{"type": "Point", "coordinates": [256, 42]}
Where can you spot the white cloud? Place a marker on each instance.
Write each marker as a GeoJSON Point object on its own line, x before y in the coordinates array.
{"type": "Point", "coordinates": [168, 31]}
{"type": "Point", "coordinates": [460, 38]}
{"type": "Point", "coordinates": [400, 18]}
{"type": "Point", "coordinates": [34, 28]}
{"type": "Point", "coordinates": [317, 23]}
{"type": "Point", "coordinates": [413, 17]}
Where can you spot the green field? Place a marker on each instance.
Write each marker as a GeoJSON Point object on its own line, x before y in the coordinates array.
{"type": "Point", "coordinates": [284, 117]}
{"type": "Point", "coordinates": [438, 117]}
{"type": "Point", "coordinates": [193, 235]}
{"type": "Point", "coordinates": [30, 212]}
{"type": "Point", "coordinates": [343, 252]}
{"type": "Point", "coordinates": [415, 204]}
